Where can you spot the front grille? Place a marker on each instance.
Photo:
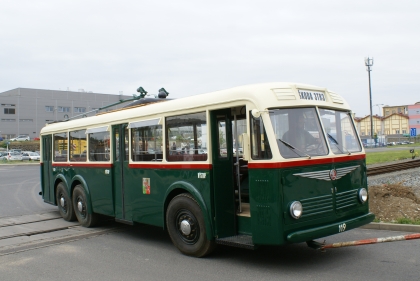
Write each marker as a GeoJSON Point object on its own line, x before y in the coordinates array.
{"type": "Point", "coordinates": [317, 205]}
{"type": "Point", "coordinates": [346, 199]}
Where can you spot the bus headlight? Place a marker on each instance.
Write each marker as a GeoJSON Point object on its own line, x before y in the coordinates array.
{"type": "Point", "coordinates": [363, 195]}
{"type": "Point", "coordinates": [296, 209]}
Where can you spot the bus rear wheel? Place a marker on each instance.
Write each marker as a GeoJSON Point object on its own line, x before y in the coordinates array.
{"type": "Point", "coordinates": [64, 203]}
{"type": "Point", "coordinates": [186, 226]}
{"type": "Point", "coordinates": [85, 218]}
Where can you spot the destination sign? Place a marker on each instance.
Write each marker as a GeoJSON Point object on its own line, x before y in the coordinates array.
{"type": "Point", "coordinates": [311, 95]}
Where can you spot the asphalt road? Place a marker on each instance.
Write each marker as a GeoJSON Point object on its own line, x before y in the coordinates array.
{"type": "Point", "coordinates": [146, 253]}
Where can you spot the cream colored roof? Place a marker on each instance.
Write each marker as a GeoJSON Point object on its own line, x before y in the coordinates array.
{"type": "Point", "coordinates": [259, 96]}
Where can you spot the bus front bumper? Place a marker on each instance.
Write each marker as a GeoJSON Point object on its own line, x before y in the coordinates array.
{"type": "Point", "coordinates": [330, 229]}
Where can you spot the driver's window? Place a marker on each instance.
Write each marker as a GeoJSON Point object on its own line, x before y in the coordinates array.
{"type": "Point", "coordinates": [298, 132]}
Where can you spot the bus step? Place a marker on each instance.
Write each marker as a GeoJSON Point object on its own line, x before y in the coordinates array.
{"type": "Point", "coordinates": [240, 241]}
{"type": "Point", "coordinates": [124, 221]}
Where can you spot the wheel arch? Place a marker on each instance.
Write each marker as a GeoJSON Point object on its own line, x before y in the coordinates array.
{"type": "Point", "coordinates": [76, 180]}
{"type": "Point", "coordinates": [60, 178]}
{"type": "Point", "coordinates": [180, 187]}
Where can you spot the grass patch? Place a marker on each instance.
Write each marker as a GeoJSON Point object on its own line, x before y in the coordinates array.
{"type": "Point", "coordinates": [387, 156]}
{"type": "Point", "coordinates": [408, 221]}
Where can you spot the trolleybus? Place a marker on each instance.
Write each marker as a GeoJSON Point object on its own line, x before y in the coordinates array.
{"type": "Point", "coordinates": [264, 164]}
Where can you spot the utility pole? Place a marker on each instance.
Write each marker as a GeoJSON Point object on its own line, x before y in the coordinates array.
{"type": "Point", "coordinates": [369, 63]}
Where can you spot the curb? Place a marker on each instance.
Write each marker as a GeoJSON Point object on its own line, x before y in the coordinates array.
{"type": "Point", "coordinates": [392, 227]}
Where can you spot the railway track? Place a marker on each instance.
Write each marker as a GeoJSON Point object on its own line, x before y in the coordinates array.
{"type": "Point", "coordinates": [25, 232]}
{"type": "Point", "coordinates": [393, 167]}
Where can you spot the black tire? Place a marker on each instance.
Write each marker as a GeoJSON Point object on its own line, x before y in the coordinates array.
{"type": "Point", "coordinates": [192, 240]}
{"type": "Point", "coordinates": [65, 206]}
{"type": "Point", "coordinates": [81, 210]}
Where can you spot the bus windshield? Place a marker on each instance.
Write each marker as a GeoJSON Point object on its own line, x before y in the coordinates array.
{"type": "Point", "coordinates": [340, 131]}
{"type": "Point", "coordinates": [298, 132]}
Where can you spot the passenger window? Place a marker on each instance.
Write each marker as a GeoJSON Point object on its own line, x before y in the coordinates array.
{"type": "Point", "coordinates": [78, 146]}
{"type": "Point", "coordinates": [99, 147]}
{"type": "Point", "coordinates": [60, 147]}
{"type": "Point", "coordinates": [186, 137]}
{"type": "Point", "coordinates": [146, 143]}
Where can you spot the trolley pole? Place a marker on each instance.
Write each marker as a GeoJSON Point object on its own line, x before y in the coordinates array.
{"type": "Point", "coordinates": [369, 63]}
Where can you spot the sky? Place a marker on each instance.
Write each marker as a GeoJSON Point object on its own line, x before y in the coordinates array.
{"type": "Point", "coordinates": [194, 47]}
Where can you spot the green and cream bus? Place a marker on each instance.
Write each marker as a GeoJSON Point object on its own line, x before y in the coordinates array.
{"type": "Point", "coordinates": [263, 164]}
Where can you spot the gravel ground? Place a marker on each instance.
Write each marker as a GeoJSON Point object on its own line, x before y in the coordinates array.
{"type": "Point", "coordinates": [395, 195]}
{"type": "Point", "coordinates": [409, 178]}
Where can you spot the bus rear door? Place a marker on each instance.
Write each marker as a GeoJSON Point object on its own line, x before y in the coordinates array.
{"type": "Point", "coordinates": [46, 170]}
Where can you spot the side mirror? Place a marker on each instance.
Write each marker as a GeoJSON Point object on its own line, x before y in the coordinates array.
{"type": "Point", "coordinates": [245, 143]}
{"type": "Point", "coordinates": [256, 113]}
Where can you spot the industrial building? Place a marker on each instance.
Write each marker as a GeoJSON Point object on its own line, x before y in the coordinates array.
{"type": "Point", "coordinates": [25, 111]}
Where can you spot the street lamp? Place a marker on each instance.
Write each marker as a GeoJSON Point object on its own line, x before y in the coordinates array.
{"type": "Point", "coordinates": [369, 63]}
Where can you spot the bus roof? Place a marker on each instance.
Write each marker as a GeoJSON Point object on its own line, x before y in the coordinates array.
{"type": "Point", "coordinates": [262, 96]}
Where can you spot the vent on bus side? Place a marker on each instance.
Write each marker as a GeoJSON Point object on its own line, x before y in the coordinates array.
{"type": "Point", "coordinates": [336, 98]}
{"type": "Point", "coordinates": [284, 94]}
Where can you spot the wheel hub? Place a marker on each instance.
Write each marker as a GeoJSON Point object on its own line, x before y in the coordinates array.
{"type": "Point", "coordinates": [62, 202]}
{"type": "Point", "coordinates": [185, 227]}
{"type": "Point", "coordinates": [80, 206]}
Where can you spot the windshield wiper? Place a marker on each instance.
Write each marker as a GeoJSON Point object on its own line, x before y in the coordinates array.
{"type": "Point", "coordinates": [294, 148]}
{"type": "Point", "coordinates": [337, 145]}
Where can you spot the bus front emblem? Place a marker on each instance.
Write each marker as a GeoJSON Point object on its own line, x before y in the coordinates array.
{"type": "Point", "coordinates": [333, 174]}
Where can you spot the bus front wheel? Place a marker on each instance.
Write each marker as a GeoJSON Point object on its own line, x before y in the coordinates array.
{"type": "Point", "coordinates": [80, 206]}
{"type": "Point", "coordinates": [65, 206]}
{"type": "Point", "coordinates": [186, 227]}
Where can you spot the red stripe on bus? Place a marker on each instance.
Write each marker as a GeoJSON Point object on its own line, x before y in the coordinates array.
{"type": "Point", "coordinates": [171, 166]}
{"type": "Point", "coordinates": [306, 162]}
{"type": "Point", "coordinates": [84, 165]}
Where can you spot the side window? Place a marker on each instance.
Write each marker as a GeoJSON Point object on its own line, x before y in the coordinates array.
{"type": "Point", "coordinates": [60, 146]}
{"type": "Point", "coordinates": [186, 137]}
{"type": "Point", "coordinates": [146, 143]}
{"type": "Point", "coordinates": [78, 146]}
{"type": "Point", "coordinates": [99, 147]}
{"type": "Point", "coordinates": [260, 148]}
{"type": "Point", "coordinates": [222, 139]}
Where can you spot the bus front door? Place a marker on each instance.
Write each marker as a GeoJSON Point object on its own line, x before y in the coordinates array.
{"type": "Point", "coordinates": [223, 184]}
{"type": "Point", "coordinates": [120, 167]}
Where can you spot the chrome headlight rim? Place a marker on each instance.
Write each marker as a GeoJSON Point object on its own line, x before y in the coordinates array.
{"type": "Point", "coordinates": [363, 195]}
{"type": "Point", "coordinates": [296, 209]}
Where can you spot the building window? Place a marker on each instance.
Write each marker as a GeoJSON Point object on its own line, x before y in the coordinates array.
{"type": "Point", "coordinates": [80, 109]}
{"type": "Point", "coordinates": [49, 108]}
{"type": "Point", "coordinates": [397, 131]}
{"type": "Point", "coordinates": [9, 111]}
{"type": "Point", "coordinates": [4, 104]}
{"type": "Point", "coordinates": [404, 131]}
{"type": "Point", "coordinates": [63, 109]}
{"type": "Point", "coordinates": [8, 120]}
{"type": "Point", "coordinates": [26, 120]}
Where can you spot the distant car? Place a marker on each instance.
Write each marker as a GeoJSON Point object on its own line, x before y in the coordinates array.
{"type": "Point", "coordinates": [21, 138]}
{"type": "Point", "coordinates": [14, 156]}
{"type": "Point", "coordinates": [1, 138]}
{"type": "Point", "coordinates": [3, 155]}
{"type": "Point", "coordinates": [36, 139]}
{"type": "Point", "coordinates": [30, 156]}
{"type": "Point", "coordinates": [25, 156]}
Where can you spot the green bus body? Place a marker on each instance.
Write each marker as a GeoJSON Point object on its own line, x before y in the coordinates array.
{"type": "Point", "coordinates": [116, 188]}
